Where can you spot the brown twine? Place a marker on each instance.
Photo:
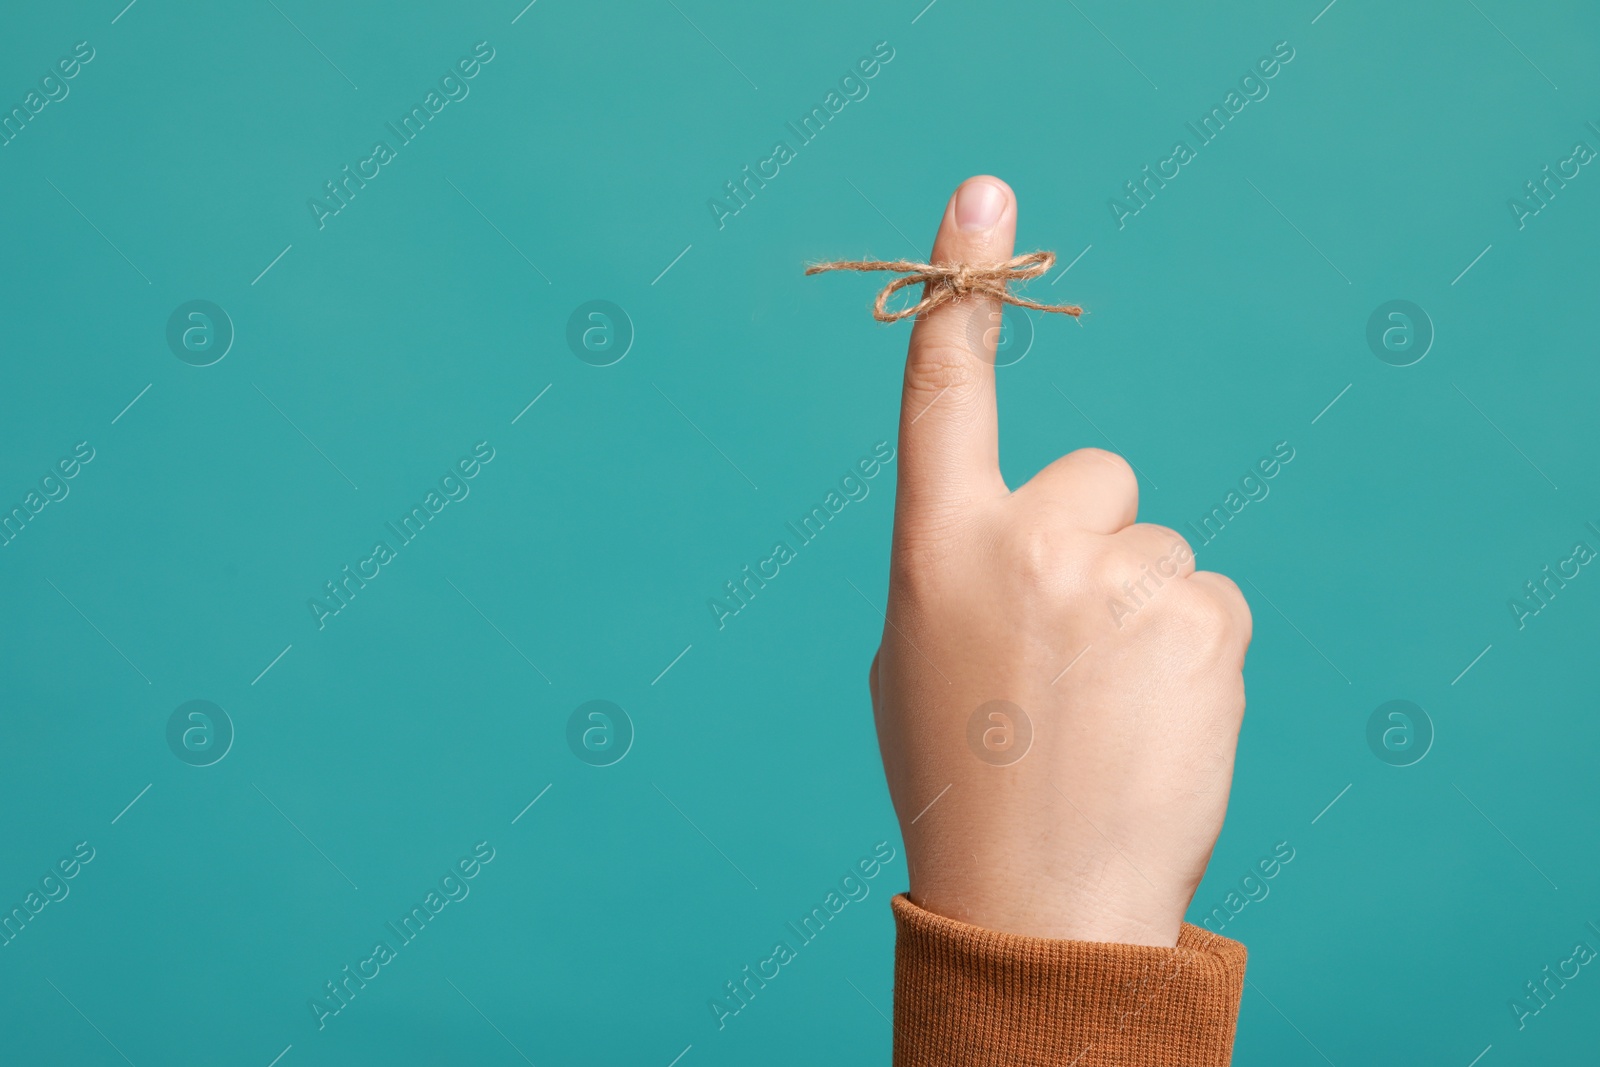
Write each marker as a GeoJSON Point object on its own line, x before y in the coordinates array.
{"type": "Point", "coordinates": [950, 282]}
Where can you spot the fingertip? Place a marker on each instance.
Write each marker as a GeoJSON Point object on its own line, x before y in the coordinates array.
{"type": "Point", "coordinates": [999, 183]}
{"type": "Point", "coordinates": [981, 203]}
{"type": "Point", "coordinates": [979, 224]}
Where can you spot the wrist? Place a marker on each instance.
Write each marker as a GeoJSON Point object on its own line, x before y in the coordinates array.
{"type": "Point", "coordinates": [1011, 901]}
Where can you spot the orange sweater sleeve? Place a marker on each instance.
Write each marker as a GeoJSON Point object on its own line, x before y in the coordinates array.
{"type": "Point", "coordinates": [969, 997]}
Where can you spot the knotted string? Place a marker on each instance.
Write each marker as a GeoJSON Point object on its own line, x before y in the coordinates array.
{"type": "Point", "coordinates": [948, 282]}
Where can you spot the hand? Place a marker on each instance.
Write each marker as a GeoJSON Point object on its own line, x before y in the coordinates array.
{"type": "Point", "coordinates": [1126, 662]}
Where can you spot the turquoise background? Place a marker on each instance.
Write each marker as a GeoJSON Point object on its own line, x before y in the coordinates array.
{"type": "Point", "coordinates": [425, 317]}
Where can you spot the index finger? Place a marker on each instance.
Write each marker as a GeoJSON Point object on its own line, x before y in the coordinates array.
{"type": "Point", "coordinates": [949, 431]}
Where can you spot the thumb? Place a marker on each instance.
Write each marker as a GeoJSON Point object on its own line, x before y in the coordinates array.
{"type": "Point", "coordinates": [949, 435]}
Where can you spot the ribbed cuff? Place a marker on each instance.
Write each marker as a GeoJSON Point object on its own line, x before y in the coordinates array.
{"type": "Point", "coordinates": [969, 997]}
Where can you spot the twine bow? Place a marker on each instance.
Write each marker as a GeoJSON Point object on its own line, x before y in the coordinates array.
{"type": "Point", "coordinates": [948, 282]}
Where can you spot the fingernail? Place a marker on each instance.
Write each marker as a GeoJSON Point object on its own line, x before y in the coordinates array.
{"type": "Point", "coordinates": [978, 205]}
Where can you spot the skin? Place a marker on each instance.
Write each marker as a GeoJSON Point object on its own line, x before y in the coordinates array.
{"type": "Point", "coordinates": [1102, 830]}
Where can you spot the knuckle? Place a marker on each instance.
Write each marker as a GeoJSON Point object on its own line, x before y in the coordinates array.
{"type": "Point", "coordinates": [1233, 598]}
{"type": "Point", "coordinates": [1117, 567]}
{"type": "Point", "coordinates": [1035, 554]}
{"type": "Point", "coordinates": [1110, 475]}
{"type": "Point", "coordinates": [938, 365]}
{"type": "Point", "coordinates": [920, 569]}
{"type": "Point", "coordinates": [1202, 621]}
{"type": "Point", "coordinates": [926, 548]}
{"type": "Point", "coordinates": [1177, 546]}
{"type": "Point", "coordinates": [1121, 470]}
{"type": "Point", "coordinates": [1229, 590]}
